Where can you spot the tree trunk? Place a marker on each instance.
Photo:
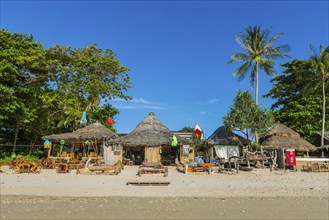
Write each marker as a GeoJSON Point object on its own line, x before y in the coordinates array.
{"type": "Point", "coordinates": [256, 89]}
{"type": "Point", "coordinates": [16, 134]}
{"type": "Point", "coordinates": [256, 98]}
{"type": "Point", "coordinates": [323, 111]}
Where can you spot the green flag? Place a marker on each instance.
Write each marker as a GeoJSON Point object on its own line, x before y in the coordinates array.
{"type": "Point", "coordinates": [174, 141]}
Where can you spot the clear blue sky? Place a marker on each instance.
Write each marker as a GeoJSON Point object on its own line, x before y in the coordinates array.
{"type": "Point", "coordinates": [176, 50]}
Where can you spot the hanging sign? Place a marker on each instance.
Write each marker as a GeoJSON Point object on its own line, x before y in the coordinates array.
{"type": "Point", "coordinates": [47, 144]}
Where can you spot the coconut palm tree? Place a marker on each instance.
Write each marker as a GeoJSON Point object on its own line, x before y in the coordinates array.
{"type": "Point", "coordinates": [260, 54]}
{"type": "Point", "coordinates": [320, 67]}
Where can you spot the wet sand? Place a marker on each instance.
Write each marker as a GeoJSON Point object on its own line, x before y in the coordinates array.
{"type": "Point", "coordinates": [26, 207]}
{"type": "Point", "coordinates": [259, 194]}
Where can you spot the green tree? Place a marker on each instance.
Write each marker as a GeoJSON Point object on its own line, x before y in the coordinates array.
{"type": "Point", "coordinates": [187, 129]}
{"type": "Point", "coordinates": [320, 67]}
{"type": "Point", "coordinates": [45, 91]}
{"type": "Point", "coordinates": [102, 113]}
{"type": "Point", "coordinates": [298, 98]}
{"type": "Point", "coordinates": [247, 117]}
{"type": "Point", "coordinates": [82, 77]}
{"type": "Point", "coordinates": [23, 71]}
{"type": "Point", "coordinates": [260, 54]}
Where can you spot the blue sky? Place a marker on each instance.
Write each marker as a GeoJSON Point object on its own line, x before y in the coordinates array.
{"type": "Point", "coordinates": [176, 50]}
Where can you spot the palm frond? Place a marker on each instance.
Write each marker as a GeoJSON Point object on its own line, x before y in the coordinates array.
{"type": "Point", "coordinates": [237, 57]}
{"type": "Point", "coordinates": [241, 57]}
{"type": "Point", "coordinates": [313, 51]}
{"type": "Point", "coordinates": [243, 44]}
{"type": "Point", "coordinates": [284, 49]}
{"type": "Point", "coordinates": [268, 66]}
{"type": "Point", "coordinates": [241, 71]}
{"type": "Point", "coordinates": [271, 41]}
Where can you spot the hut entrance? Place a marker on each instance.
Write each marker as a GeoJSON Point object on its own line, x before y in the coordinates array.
{"type": "Point", "coordinates": [152, 154]}
{"type": "Point", "coordinates": [134, 154]}
{"type": "Point", "coordinates": [168, 155]}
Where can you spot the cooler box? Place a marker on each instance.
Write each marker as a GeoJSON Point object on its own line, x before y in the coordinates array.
{"type": "Point", "coordinates": [290, 157]}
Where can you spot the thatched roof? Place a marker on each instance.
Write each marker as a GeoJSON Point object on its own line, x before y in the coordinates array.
{"type": "Point", "coordinates": [280, 136]}
{"type": "Point", "coordinates": [222, 137]}
{"type": "Point", "coordinates": [91, 132]}
{"type": "Point", "coordinates": [149, 132]}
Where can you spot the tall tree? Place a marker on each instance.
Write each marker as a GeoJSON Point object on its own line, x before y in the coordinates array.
{"type": "Point", "coordinates": [82, 77]}
{"type": "Point", "coordinates": [260, 54]}
{"type": "Point", "coordinates": [46, 90]}
{"type": "Point", "coordinates": [298, 98]}
{"type": "Point", "coordinates": [23, 71]}
{"type": "Point", "coordinates": [247, 117]}
{"type": "Point", "coordinates": [320, 67]}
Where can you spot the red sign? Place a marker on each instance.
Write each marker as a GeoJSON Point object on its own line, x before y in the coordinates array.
{"type": "Point", "coordinates": [291, 157]}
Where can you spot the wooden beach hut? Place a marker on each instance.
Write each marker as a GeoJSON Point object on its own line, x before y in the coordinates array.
{"type": "Point", "coordinates": [151, 141]}
{"type": "Point", "coordinates": [223, 144]}
{"type": "Point", "coordinates": [89, 141]}
{"type": "Point", "coordinates": [280, 138]}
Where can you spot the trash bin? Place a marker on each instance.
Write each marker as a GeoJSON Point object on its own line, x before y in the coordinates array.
{"type": "Point", "coordinates": [291, 158]}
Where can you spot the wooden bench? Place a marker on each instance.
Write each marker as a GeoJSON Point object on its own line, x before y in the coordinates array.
{"type": "Point", "coordinates": [152, 168]}
{"type": "Point", "coordinates": [63, 168]}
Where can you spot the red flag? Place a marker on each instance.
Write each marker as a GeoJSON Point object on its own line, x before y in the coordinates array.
{"type": "Point", "coordinates": [109, 121]}
{"type": "Point", "coordinates": [197, 131]}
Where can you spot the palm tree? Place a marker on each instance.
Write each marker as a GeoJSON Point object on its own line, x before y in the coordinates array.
{"type": "Point", "coordinates": [259, 54]}
{"type": "Point", "coordinates": [320, 67]}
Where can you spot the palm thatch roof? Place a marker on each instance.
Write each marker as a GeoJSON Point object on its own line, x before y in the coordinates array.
{"type": "Point", "coordinates": [222, 137]}
{"type": "Point", "coordinates": [281, 137]}
{"type": "Point", "coordinates": [149, 132]}
{"type": "Point", "coordinates": [95, 131]}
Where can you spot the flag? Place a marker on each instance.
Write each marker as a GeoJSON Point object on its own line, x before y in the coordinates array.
{"type": "Point", "coordinates": [197, 131]}
{"type": "Point", "coordinates": [174, 141]}
{"type": "Point", "coordinates": [109, 121]}
{"type": "Point", "coordinates": [203, 135]}
{"type": "Point", "coordinates": [83, 118]}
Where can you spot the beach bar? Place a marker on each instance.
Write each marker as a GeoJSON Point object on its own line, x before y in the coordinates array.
{"type": "Point", "coordinates": [151, 141]}
{"type": "Point", "coordinates": [90, 141]}
{"type": "Point", "coordinates": [282, 140]}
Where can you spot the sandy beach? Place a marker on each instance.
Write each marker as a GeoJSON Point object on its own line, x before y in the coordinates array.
{"type": "Point", "coordinates": [259, 194]}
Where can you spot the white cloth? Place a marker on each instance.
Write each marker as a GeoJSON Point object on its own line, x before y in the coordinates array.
{"type": "Point", "coordinates": [106, 154]}
{"type": "Point", "coordinates": [223, 151]}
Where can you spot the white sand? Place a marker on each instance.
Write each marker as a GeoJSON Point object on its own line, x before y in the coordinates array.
{"type": "Point", "coordinates": [257, 183]}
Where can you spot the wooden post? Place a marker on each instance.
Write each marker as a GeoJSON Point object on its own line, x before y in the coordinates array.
{"type": "Point", "coordinates": [49, 150]}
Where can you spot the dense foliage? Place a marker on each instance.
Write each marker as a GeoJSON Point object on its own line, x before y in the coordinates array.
{"type": "Point", "coordinates": [46, 90]}
{"type": "Point", "coordinates": [247, 117]}
{"type": "Point", "coordinates": [320, 68]}
{"type": "Point", "coordinates": [298, 95]}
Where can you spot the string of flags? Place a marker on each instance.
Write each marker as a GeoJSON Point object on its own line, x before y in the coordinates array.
{"type": "Point", "coordinates": [83, 120]}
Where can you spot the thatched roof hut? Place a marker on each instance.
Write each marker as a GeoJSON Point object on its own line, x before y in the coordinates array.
{"type": "Point", "coordinates": [222, 137]}
{"type": "Point", "coordinates": [95, 131]}
{"type": "Point", "coordinates": [149, 132]}
{"type": "Point", "coordinates": [282, 137]}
